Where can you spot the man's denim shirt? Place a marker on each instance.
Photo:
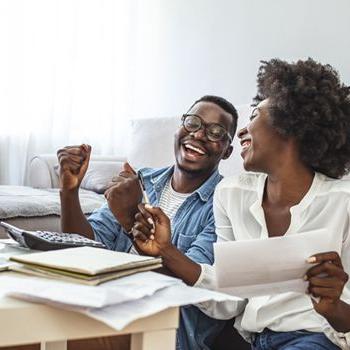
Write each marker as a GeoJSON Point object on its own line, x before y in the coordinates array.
{"type": "Point", "coordinates": [193, 233]}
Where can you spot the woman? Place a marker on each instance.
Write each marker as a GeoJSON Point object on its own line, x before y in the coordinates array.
{"type": "Point", "coordinates": [297, 145]}
{"type": "Point", "coordinates": [298, 142]}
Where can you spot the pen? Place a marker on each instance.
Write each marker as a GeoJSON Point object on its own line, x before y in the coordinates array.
{"type": "Point", "coordinates": [143, 189]}
{"type": "Point", "coordinates": [145, 198]}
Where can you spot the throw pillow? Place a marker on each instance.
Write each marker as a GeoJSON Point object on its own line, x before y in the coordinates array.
{"type": "Point", "coordinates": [98, 175]}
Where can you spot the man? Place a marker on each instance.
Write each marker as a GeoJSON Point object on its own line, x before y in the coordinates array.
{"type": "Point", "coordinates": [185, 193]}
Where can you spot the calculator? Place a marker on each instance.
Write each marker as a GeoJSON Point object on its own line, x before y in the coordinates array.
{"type": "Point", "coordinates": [46, 240]}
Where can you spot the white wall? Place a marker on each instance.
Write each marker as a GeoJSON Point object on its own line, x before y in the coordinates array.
{"type": "Point", "coordinates": [75, 71]}
{"type": "Point", "coordinates": [188, 48]}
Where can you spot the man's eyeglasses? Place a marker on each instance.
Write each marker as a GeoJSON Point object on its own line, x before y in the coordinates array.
{"type": "Point", "coordinates": [214, 132]}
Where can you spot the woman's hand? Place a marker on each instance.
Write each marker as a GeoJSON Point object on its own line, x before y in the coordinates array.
{"type": "Point", "coordinates": [326, 282]}
{"type": "Point", "coordinates": [151, 231]}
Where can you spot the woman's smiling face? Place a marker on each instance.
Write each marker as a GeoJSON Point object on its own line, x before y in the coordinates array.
{"type": "Point", "coordinates": [261, 143]}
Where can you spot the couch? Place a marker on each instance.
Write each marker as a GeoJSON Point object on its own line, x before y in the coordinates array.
{"type": "Point", "coordinates": [38, 206]}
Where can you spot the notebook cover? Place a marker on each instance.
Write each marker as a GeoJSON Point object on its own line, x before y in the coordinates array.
{"type": "Point", "coordinates": [82, 279]}
{"type": "Point", "coordinates": [86, 260]}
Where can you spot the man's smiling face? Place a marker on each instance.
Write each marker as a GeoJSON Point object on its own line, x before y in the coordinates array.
{"type": "Point", "coordinates": [194, 153]}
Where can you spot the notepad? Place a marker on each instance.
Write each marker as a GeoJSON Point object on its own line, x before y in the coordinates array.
{"type": "Point", "coordinates": [85, 265]}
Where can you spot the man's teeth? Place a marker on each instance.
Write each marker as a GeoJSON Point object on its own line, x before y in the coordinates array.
{"type": "Point", "coordinates": [193, 148]}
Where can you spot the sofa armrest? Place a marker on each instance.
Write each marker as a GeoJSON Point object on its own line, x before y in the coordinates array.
{"type": "Point", "coordinates": [43, 171]}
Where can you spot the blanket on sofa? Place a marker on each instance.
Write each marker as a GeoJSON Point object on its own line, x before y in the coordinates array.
{"type": "Point", "coordinates": [22, 201]}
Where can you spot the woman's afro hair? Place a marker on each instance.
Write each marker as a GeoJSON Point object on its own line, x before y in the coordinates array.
{"type": "Point", "coordinates": [309, 103]}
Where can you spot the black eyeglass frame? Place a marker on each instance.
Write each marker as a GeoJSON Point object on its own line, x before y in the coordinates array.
{"type": "Point", "coordinates": [206, 126]}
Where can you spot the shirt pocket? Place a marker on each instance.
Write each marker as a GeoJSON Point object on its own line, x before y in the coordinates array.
{"type": "Point", "coordinates": [184, 242]}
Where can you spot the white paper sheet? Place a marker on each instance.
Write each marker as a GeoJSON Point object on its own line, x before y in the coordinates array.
{"type": "Point", "coordinates": [119, 316]}
{"type": "Point", "coordinates": [116, 303]}
{"type": "Point", "coordinates": [160, 292]}
{"type": "Point", "coordinates": [269, 266]}
{"type": "Point", "coordinates": [117, 291]}
{"type": "Point", "coordinates": [8, 247]}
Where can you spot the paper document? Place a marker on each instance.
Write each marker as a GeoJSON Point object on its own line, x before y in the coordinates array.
{"type": "Point", "coordinates": [71, 294]}
{"type": "Point", "coordinates": [116, 303]}
{"type": "Point", "coordinates": [119, 316]}
{"type": "Point", "coordinates": [86, 260]}
{"type": "Point", "coordinates": [8, 248]}
{"type": "Point", "coordinates": [269, 266]}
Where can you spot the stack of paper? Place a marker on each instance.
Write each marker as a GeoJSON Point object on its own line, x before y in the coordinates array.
{"type": "Point", "coordinates": [85, 265]}
{"type": "Point", "coordinates": [116, 303]}
{"type": "Point", "coordinates": [53, 291]}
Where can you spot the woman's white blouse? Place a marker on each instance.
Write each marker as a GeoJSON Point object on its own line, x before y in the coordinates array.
{"type": "Point", "coordinates": [239, 216]}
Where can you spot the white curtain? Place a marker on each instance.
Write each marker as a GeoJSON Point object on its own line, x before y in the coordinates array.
{"type": "Point", "coordinates": [66, 71]}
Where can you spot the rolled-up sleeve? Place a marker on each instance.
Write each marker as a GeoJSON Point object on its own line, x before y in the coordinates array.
{"type": "Point", "coordinates": [201, 248]}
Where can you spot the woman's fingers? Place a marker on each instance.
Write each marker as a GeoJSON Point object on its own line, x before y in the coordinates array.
{"type": "Point", "coordinates": [332, 257]}
{"type": "Point", "coordinates": [147, 216]}
{"type": "Point", "coordinates": [139, 217]}
{"type": "Point", "coordinates": [327, 269]}
{"type": "Point", "coordinates": [329, 293]}
{"type": "Point", "coordinates": [323, 282]}
{"type": "Point", "coordinates": [142, 230]}
{"type": "Point", "coordinates": [138, 235]}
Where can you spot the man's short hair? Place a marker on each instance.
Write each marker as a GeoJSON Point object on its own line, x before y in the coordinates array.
{"type": "Point", "coordinates": [225, 105]}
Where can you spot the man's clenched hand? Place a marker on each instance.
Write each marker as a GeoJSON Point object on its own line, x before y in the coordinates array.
{"type": "Point", "coordinates": [123, 195]}
{"type": "Point", "coordinates": [73, 161]}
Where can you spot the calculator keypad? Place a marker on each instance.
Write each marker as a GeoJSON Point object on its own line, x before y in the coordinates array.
{"type": "Point", "coordinates": [67, 238]}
